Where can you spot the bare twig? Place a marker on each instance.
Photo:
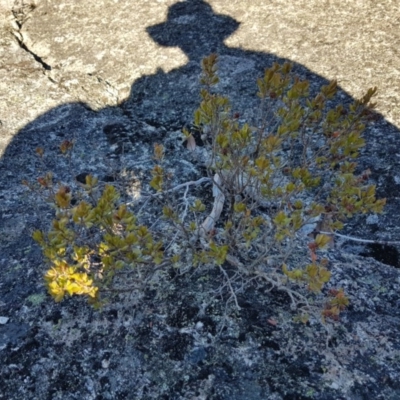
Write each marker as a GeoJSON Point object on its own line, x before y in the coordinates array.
{"type": "Point", "coordinates": [233, 294]}
{"type": "Point", "coordinates": [292, 293]}
{"type": "Point", "coordinates": [354, 239]}
{"type": "Point", "coordinates": [209, 223]}
{"type": "Point", "coordinates": [187, 184]}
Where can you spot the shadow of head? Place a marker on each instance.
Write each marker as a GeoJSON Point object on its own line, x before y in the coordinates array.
{"type": "Point", "coordinates": [194, 27]}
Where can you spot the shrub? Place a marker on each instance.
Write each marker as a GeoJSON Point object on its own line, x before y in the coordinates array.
{"type": "Point", "coordinates": [291, 176]}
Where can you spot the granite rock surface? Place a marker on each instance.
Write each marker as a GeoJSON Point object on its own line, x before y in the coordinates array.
{"type": "Point", "coordinates": [117, 76]}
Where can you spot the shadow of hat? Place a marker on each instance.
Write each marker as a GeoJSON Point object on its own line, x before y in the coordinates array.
{"type": "Point", "coordinates": [193, 23]}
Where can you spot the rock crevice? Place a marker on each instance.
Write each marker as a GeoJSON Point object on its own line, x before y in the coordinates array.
{"type": "Point", "coordinates": [22, 11]}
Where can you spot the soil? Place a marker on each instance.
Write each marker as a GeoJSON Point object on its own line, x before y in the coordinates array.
{"type": "Point", "coordinates": [183, 342]}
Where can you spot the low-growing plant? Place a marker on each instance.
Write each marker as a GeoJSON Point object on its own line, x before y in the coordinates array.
{"type": "Point", "coordinates": [281, 188]}
{"type": "Point", "coordinates": [91, 241]}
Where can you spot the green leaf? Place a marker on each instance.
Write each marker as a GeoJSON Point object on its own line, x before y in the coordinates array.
{"type": "Point", "coordinates": [322, 240]}
{"type": "Point", "coordinates": [198, 206]}
{"type": "Point", "coordinates": [281, 219]}
{"type": "Point", "coordinates": [239, 207]}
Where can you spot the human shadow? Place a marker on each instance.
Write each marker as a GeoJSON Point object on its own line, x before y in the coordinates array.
{"type": "Point", "coordinates": [158, 104]}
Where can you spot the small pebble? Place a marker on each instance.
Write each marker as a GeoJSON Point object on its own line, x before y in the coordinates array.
{"type": "Point", "coordinates": [199, 325]}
